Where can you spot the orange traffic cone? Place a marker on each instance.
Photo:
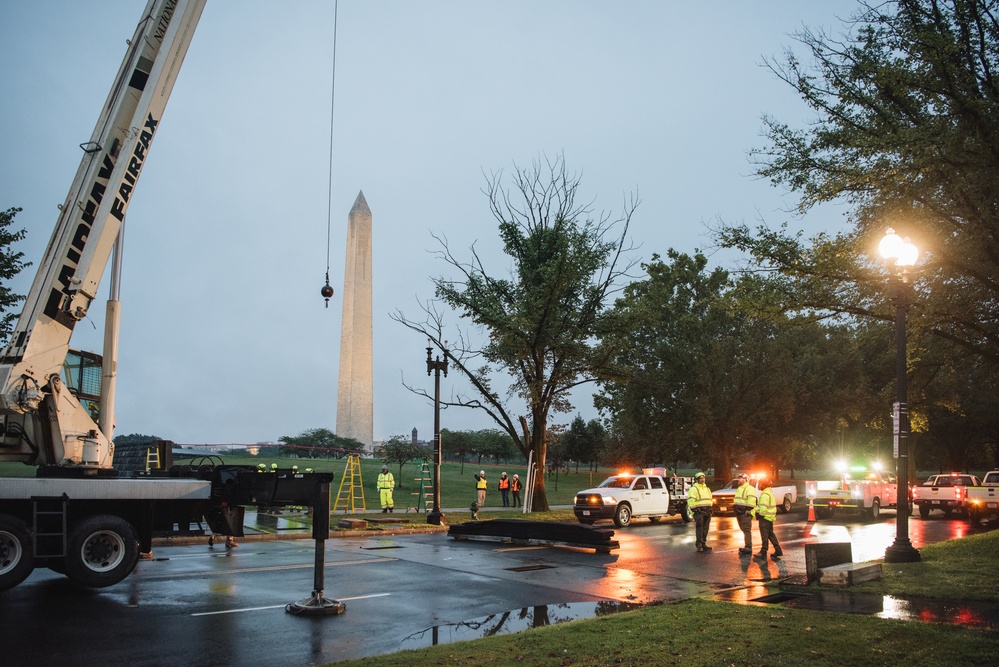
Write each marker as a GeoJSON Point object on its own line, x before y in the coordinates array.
{"type": "Point", "coordinates": [811, 511]}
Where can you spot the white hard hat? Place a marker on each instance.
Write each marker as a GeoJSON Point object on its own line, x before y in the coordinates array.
{"type": "Point", "coordinates": [516, 475]}
{"type": "Point", "coordinates": [482, 472]}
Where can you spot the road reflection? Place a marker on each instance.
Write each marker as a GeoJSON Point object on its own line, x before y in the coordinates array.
{"type": "Point", "coordinates": [508, 622]}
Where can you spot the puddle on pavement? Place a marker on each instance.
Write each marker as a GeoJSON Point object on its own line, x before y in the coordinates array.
{"type": "Point", "coordinates": [972, 614]}
{"type": "Point", "coordinates": [513, 621]}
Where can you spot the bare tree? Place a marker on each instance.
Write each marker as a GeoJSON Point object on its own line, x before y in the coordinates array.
{"type": "Point", "coordinates": [542, 321]}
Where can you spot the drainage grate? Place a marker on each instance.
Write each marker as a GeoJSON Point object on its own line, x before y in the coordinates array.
{"type": "Point", "coordinates": [779, 597]}
{"type": "Point", "coordinates": [529, 568]}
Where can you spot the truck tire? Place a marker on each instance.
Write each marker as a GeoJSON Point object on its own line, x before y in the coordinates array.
{"type": "Point", "coordinates": [785, 506]}
{"type": "Point", "coordinates": [17, 559]}
{"type": "Point", "coordinates": [974, 517]}
{"type": "Point", "coordinates": [102, 550]}
{"type": "Point", "coordinates": [875, 510]}
{"type": "Point", "coordinates": [686, 514]}
{"type": "Point", "coordinates": [622, 516]}
{"type": "Point", "coordinates": [924, 511]}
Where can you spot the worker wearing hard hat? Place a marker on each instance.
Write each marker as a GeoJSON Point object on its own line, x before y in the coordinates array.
{"type": "Point", "coordinates": [480, 486]}
{"type": "Point", "coordinates": [699, 502]}
{"type": "Point", "coordinates": [745, 512]}
{"type": "Point", "coordinates": [386, 482]}
{"type": "Point", "coordinates": [504, 489]}
{"type": "Point", "coordinates": [766, 512]}
{"type": "Point", "coordinates": [515, 486]}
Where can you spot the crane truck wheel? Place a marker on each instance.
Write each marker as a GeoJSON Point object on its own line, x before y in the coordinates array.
{"type": "Point", "coordinates": [102, 551]}
{"type": "Point", "coordinates": [16, 556]}
{"type": "Point", "coordinates": [686, 514]}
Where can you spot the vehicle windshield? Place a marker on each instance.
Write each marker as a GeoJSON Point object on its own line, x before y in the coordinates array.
{"type": "Point", "coordinates": [734, 484]}
{"type": "Point", "coordinates": [616, 483]}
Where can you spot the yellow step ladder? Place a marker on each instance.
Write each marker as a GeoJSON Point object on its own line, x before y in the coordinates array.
{"type": "Point", "coordinates": [353, 495]}
{"type": "Point", "coordinates": [152, 458]}
{"type": "Point", "coordinates": [425, 496]}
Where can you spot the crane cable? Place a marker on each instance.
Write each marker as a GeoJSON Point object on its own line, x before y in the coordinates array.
{"type": "Point", "coordinates": [327, 290]}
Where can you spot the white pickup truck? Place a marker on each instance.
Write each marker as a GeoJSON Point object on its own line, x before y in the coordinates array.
{"type": "Point", "coordinates": [983, 501]}
{"type": "Point", "coordinates": [865, 489]}
{"type": "Point", "coordinates": [625, 496]}
{"type": "Point", "coordinates": [723, 499]}
{"type": "Point", "coordinates": [947, 493]}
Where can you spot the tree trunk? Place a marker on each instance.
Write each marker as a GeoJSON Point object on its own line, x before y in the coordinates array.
{"type": "Point", "coordinates": [539, 501]}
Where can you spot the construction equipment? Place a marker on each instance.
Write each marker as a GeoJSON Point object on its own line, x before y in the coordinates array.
{"type": "Point", "coordinates": [425, 496]}
{"type": "Point", "coordinates": [80, 515]}
{"type": "Point", "coordinates": [152, 459]}
{"type": "Point", "coordinates": [351, 490]}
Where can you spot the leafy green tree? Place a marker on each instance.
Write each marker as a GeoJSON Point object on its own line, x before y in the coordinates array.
{"type": "Point", "coordinates": [400, 449]}
{"type": "Point", "coordinates": [583, 440]}
{"type": "Point", "coordinates": [907, 133]}
{"type": "Point", "coordinates": [456, 444]}
{"type": "Point", "coordinates": [11, 263]}
{"type": "Point", "coordinates": [707, 379]}
{"type": "Point", "coordinates": [541, 321]}
{"type": "Point", "coordinates": [319, 443]}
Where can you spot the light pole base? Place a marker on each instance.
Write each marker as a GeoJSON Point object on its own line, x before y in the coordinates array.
{"type": "Point", "coordinates": [436, 517]}
{"type": "Point", "coordinates": [902, 553]}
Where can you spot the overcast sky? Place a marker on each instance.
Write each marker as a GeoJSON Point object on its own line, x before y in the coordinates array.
{"type": "Point", "coordinates": [224, 337]}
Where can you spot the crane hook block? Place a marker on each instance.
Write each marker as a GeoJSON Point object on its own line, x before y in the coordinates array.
{"type": "Point", "coordinates": [327, 292]}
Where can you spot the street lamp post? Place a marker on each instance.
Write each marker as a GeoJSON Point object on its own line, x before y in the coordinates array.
{"type": "Point", "coordinates": [902, 254]}
{"type": "Point", "coordinates": [435, 366]}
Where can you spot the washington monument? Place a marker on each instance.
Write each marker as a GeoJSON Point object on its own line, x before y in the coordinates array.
{"type": "Point", "coordinates": [354, 410]}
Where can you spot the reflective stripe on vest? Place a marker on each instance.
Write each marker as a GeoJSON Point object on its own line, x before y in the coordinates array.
{"type": "Point", "coordinates": [767, 507]}
{"type": "Point", "coordinates": [746, 495]}
{"type": "Point", "coordinates": [700, 496]}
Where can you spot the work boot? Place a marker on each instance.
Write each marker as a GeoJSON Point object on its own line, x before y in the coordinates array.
{"type": "Point", "coordinates": [230, 543]}
{"type": "Point", "coordinates": [761, 554]}
{"type": "Point", "coordinates": [700, 549]}
{"type": "Point", "coordinates": [391, 509]}
{"type": "Point", "coordinates": [775, 557]}
{"type": "Point", "coordinates": [384, 510]}
{"type": "Point", "coordinates": [745, 551]}
{"type": "Point", "coordinates": [707, 548]}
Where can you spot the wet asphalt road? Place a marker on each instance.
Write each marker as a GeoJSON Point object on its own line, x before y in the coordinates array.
{"type": "Point", "coordinates": [195, 605]}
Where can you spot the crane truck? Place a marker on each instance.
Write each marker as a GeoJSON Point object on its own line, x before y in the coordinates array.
{"type": "Point", "coordinates": [79, 515]}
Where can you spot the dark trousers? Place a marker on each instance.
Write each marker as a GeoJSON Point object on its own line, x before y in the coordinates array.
{"type": "Point", "coordinates": [767, 535]}
{"type": "Point", "coordinates": [506, 497]}
{"type": "Point", "coordinates": [702, 521]}
{"type": "Point", "coordinates": [516, 498]}
{"type": "Point", "coordinates": [746, 524]}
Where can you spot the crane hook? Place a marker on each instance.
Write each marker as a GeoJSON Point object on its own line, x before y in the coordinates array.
{"type": "Point", "coordinates": [327, 291]}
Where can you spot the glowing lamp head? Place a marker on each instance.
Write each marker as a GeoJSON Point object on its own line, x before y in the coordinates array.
{"type": "Point", "coordinates": [894, 247]}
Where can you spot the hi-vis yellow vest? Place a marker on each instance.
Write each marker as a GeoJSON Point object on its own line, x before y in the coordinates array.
{"type": "Point", "coordinates": [700, 496]}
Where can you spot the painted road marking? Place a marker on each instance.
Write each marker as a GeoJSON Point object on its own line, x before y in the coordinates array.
{"type": "Point", "coordinates": [272, 568]}
{"type": "Point", "coordinates": [282, 606]}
